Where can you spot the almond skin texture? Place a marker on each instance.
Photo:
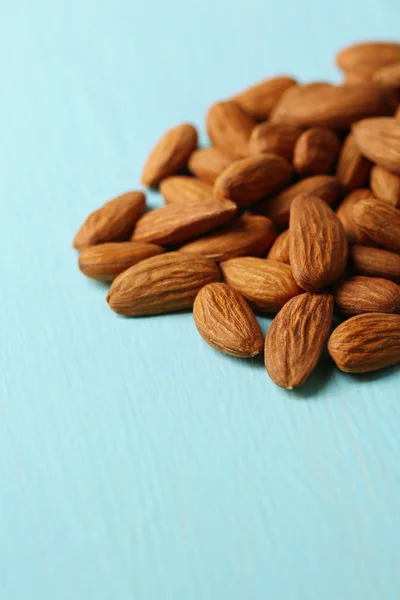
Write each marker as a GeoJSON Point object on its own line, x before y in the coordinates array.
{"type": "Point", "coordinates": [280, 248]}
{"type": "Point", "coordinates": [385, 185]}
{"type": "Point", "coordinates": [361, 294]}
{"type": "Point", "coordinates": [388, 76]}
{"type": "Point", "coordinates": [359, 76]}
{"type": "Point", "coordinates": [180, 188]}
{"type": "Point", "coordinates": [113, 222]}
{"type": "Point", "coordinates": [372, 55]}
{"type": "Point", "coordinates": [208, 163]}
{"type": "Point", "coordinates": [179, 222]}
{"type": "Point", "coordinates": [345, 213]}
{"type": "Point", "coordinates": [249, 179]}
{"type": "Point", "coordinates": [170, 154]}
{"type": "Point", "coordinates": [379, 140]}
{"type": "Point", "coordinates": [105, 261]}
{"type": "Point", "coordinates": [226, 322]}
{"type": "Point", "coordinates": [318, 243]}
{"type": "Point", "coordinates": [266, 284]}
{"type": "Point", "coordinates": [296, 338]}
{"type": "Point", "coordinates": [278, 138]}
{"type": "Point", "coordinates": [316, 152]}
{"type": "Point", "coordinates": [378, 221]}
{"type": "Point", "coordinates": [161, 284]}
{"type": "Point", "coordinates": [259, 99]}
{"type": "Point", "coordinates": [229, 128]}
{"type": "Point", "coordinates": [250, 235]}
{"type": "Point", "coordinates": [375, 262]}
{"type": "Point", "coordinates": [353, 168]}
{"type": "Point", "coordinates": [366, 343]}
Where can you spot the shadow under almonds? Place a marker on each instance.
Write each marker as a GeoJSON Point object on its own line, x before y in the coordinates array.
{"type": "Point", "coordinates": [317, 381]}
{"type": "Point", "coordinates": [373, 375]}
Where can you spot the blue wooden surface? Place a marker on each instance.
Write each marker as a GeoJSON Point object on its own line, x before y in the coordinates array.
{"type": "Point", "coordinates": [136, 462]}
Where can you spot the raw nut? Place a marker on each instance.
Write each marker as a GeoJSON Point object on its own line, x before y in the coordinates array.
{"type": "Point", "coordinates": [296, 338]}
{"type": "Point", "coordinates": [259, 99]}
{"type": "Point", "coordinates": [397, 113]}
{"type": "Point", "coordinates": [353, 168]}
{"type": "Point", "coordinates": [161, 284]}
{"type": "Point", "coordinates": [170, 154]}
{"type": "Point", "coordinates": [250, 235]}
{"type": "Point", "coordinates": [345, 213]}
{"type": "Point", "coordinates": [388, 76]}
{"type": "Point", "coordinates": [249, 179]}
{"type": "Point", "coordinates": [277, 208]}
{"type": "Point", "coordinates": [368, 55]}
{"type": "Point", "coordinates": [378, 221]}
{"type": "Point", "coordinates": [366, 343]}
{"type": "Point", "coordinates": [379, 140]}
{"type": "Point", "coordinates": [277, 138]}
{"type": "Point", "coordinates": [179, 222]}
{"type": "Point", "coordinates": [361, 294]}
{"type": "Point", "coordinates": [180, 188]}
{"type": "Point", "coordinates": [208, 163]}
{"type": "Point", "coordinates": [113, 222]}
{"type": "Point", "coordinates": [105, 261]}
{"type": "Point", "coordinates": [280, 248]}
{"type": "Point", "coordinates": [226, 322]}
{"type": "Point", "coordinates": [318, 243]}
{"type": "Point", "coordinates": [375, 262]}
{"type": "Point", "coordinates": [229, 128]}
{"type": "Point", "coordinates": [266, 284]}
{"type": "Point", "coordinates": [316, 152]}
{"type": "Point", "coordinates": [385, 185]}
{"type": "Point", "coordinates": [360, 76]}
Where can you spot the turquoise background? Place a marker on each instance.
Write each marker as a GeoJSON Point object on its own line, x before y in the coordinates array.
{"type": "Point", "coordinates": [137, 462]}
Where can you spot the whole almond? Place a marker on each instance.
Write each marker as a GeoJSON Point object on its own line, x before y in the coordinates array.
{"type": "Point", "coordinates": [266, 284]}
{"type": "Point", "coordinates": [379, 221]}
{"type": "Point", "coordinates": [226, 322]}
{"type": "Point", "coordinates": [250, 235]}
{"type": "Point", "coordinates": [389, 76]}
{"type": "Point", "coordinates": [353, 168]}
{"type": "Point", "coordinates": [360, 75]}
{"type": "Point", "coordinates": [105, 261]}
{"type": "Point", "coordinates": [249, 179]}
{"type": "Point", "coordinates": [379, 140]}
{"type": "Point", "coordinates": [180, 188]}
{"type": "Point", "coordinates": [208, 163]}
{"type": "Point", "coordinates": [179, 222]}
{"type": "Point", "coordinates": [316, 152]}
{"type": "Point", "coordinates": [375, 262]}
{"type": "Point", "coordinates": [259, 99]}
{"type": "Point", "coordinates": [385, 185]}
{"type": "Point", "coordinates": [361, 294]}
{"type": "Point", "coordinates": [344, 212]}
{"type": "Point", "coordinates": [229, 128]}
{"type": "Point", "coordinates": [170, 153]}
{"type": "Point", "coordinates": [274, 138]}
{"type": "Point", "coordinates": [318, 243]}
{"type": "Point", "coordinates": [161, 284]}
{"type": "Point", "coordinates": [113, 222]}
{"type": "Point", "coordinates": [368, 54]}
{"type": "Point", "coordinates": [296, 338]}
{"type": "Point", "coordinates": [366, 343]}
{"type": "Point", "coordinates": [280, 248]}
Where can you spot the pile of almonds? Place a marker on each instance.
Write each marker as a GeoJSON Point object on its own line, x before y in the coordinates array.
{"type": "Point", "coordinates": [295, 206]}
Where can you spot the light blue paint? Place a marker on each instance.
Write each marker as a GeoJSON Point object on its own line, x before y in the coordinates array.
{"type": "Point", "coordinates": [137, 462]}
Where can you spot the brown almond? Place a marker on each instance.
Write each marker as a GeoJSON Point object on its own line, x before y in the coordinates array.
{"type": "Point", "coordinates": [296, 338]}
{"type": "Point", "coordinates": [170, 153]}
{"type": "Point", "coordinates": [318, 243]}
{"type": "Point", "coordinates": [375, 262]}
{"type": "Point", "coordinates": [368, 55]}
{"type": "Point", "coordinates": [249, 179]}
{"type": "Point", "coordinates": [229, 128]}
{"type": "Point", "coordinates": [366, 343]}
{"type": "Point", "coordinates": [385, 185]}
{"type": "Point", "coordinates": [180, 188]}
{"type": "Point", "coordinates": [344, 213]}
{"type": "Point", "coordinates": [105, 261]}
{"type": "Point", "coordinates": [360, 75]}
{"type": "Point", "coordinates": [226, 322]}
{"type": "Point", "coordinates": [361, 294]}
{"type": "Point", "coordinates": [179, 222]}
{"type": "Point", "coordinates": [113, 222]}
{"type": "Point", "coordinates": [280, 248]}
{"type": "Point", "coordinates": [397, 113]}
{"type": "Point", "coordinates": [379, 221]}
{"type": "Point", "coordinates": [259, 99]}
{"type": "Point", "coordinates": [388, 76]}
{"type": "Point", "coordinates": [274, 138]}
{"type": "Point", "coordinates": [250, 235]}
{"type": "Point", "coordinates": [353, 168]}
{"type": "Point", "coordinates": [266, 284]}
{"type": "Point", "coordinates": [379, 140]}
{"type": "Point", "coordinates": [161, 284]}
{"type": "Point", "coordinates": [208, 163]}
{"type": "Point", "coordinates": [316, 152]}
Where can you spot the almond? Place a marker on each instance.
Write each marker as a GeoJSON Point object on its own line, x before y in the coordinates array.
{"type": "Point", "coordinates": [266, 284]}
{"type": "Point", "coordinates": [170, 153]}
{"type": "Point", "coordinates": [250, 179]}
{"type": "Point", "coordinates": [345, 214]}
{"type": "Point", "coordinates": [397, 113]}
{"type": "Point", "coordinates": [388, 76]}
{"type": "Point", "coordinates": [296, 338]}
{"type": "Point", "coordinates": [379, 221]}
{"type": "Point", "coordinates": [258, 100]}
{"type": "Point", "coordinates": [250, 235]}
{"type": "Point", "coordinates": [105, 261]}
{"type": "Point", "coordinates": [280, 248]}
{"type": "Point", "coordinates": [229, 128]}
{"type": "Point", "coordinates": [353, 168]}
{"type": "Point", "coordinates": [318, 244]}
{"type": "Point", "coordinates": [274, 138]}
{"type": "Point", "coordinates": [208, 163]}
{"type": "Point", "coordinates": [379, 140]}
{"type": "Point", "coordinates": [375, 262]}
{"type": "Point", "coordinates": [359, 76]}
{"type": "Point", "coordinates": [226, 322]}
{"type": "Point", "coordinates": [113, 222]}
{"type": "Point", "coordinates": [180, 188]}
{"type": "Point", "coordinates": [161, 284]}
{"type": "Point", "coordinates": [361, 294]}
{"type": "Point", "coordinates": [316, 152]}
{"type": "Point", "coordinates": [385, 185]}
{"type": "Point", "coordinates": [366, 343]}
{"type": "Point", "coordinates": [368, 55]}
{"type": "Point", "coordinates": [180, 222]}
